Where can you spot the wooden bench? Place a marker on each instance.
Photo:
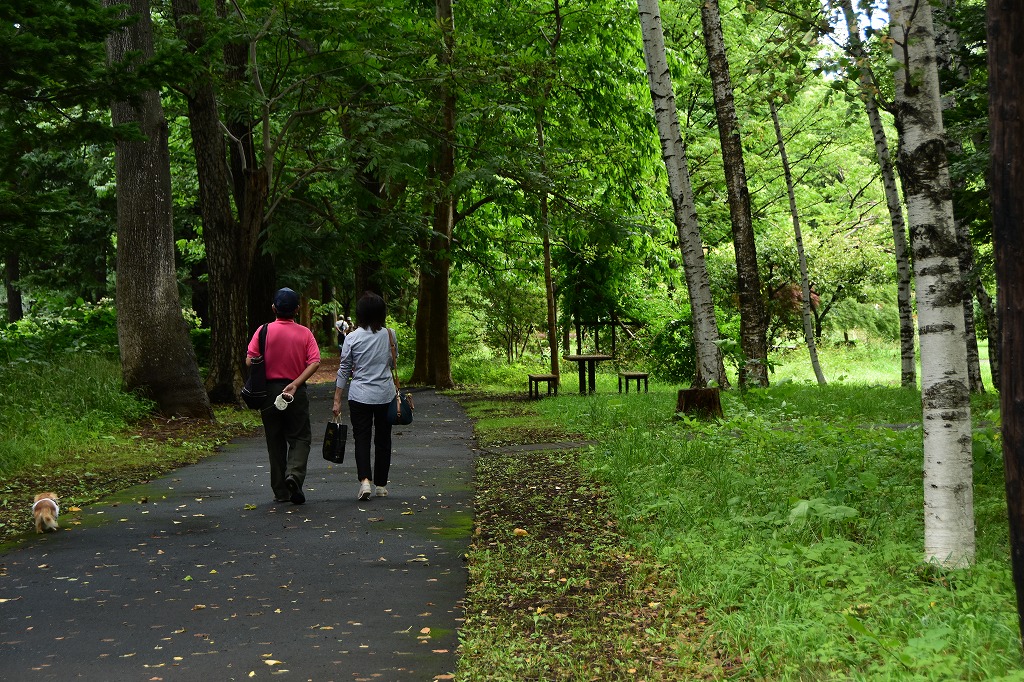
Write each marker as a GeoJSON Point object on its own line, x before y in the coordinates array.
{"type": "Point", "coordinates": [535, 379]}
{"type": "Point", "coordinates": [633, 376]}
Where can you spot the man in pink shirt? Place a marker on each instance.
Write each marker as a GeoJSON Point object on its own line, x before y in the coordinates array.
{"type": "Point", "coordinates": [291, 355]}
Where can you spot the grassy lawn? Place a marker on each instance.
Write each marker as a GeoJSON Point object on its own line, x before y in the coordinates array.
{"type": "Point", "coordinates": [784, 542]}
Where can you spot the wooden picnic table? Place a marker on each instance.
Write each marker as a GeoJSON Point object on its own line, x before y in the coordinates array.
{"type": "Point", "coordinates": [588, 367]}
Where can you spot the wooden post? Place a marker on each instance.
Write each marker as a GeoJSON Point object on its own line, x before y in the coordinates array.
{"type": "Point", "coordinates": [702, 403]}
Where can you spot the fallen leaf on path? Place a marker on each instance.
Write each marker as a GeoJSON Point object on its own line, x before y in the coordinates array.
{"type": "Point", "coordinates": [74, 509]}
{"type": "Point", "coordinates": [271, 661]}
{"type": "Point", "coordinates": [199, 607]}
{"type": "Point", "coordinates": [520, 532]}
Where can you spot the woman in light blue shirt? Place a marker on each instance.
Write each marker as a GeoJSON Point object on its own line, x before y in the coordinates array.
{"type": "Point", "coordinates": [367, 370]}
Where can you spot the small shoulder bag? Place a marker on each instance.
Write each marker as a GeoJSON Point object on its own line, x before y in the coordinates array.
{"type": "Point", "coordinates": [401, 408]}
{"type": "Point", "coordinates": [254, 393]}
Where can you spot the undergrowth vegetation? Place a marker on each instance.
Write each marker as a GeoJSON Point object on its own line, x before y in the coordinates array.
{"type": "Point", "coordinates": [67, 426]}
{"type": "Point", "coordinates": [796, 523]}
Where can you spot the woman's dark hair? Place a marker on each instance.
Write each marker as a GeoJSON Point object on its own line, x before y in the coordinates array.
{"type": "Point", "coordinates": [371, 311]}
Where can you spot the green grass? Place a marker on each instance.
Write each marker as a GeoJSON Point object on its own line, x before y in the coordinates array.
{"type": "Point", "coordinates": [796, 524]}
{"type": "Point", "coordinates": [66, 426]}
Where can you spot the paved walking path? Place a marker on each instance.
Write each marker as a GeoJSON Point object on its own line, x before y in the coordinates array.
{"type": "Point", "coordinates": [200, 576]}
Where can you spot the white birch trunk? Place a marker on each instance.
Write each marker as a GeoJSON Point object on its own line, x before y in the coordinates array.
{"type": "Point", "coordinates": [945, 396]}
{"type": "Point", "coordinates": [805, 285]}
{"type": "Point", "coordinates": [908, 361]}
{"type": "Point", "coordinates": [710, 367]}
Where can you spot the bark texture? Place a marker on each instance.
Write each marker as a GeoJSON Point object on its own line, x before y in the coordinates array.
{"type": "Point", "coordinates": [444, 213]}
{"type": "Point", "coordinates": [710, 366]}
{"type": "Point", "coordinates": [157, 357]}
{"type": "Point", "coordinates": [227, 247]}
{"type": "Point", "coordinates": [945, 396]}
{"type": "Point", "coordinates": [753, 320]}
{"type": "Point", "coordinates": [1005, 24]}
{"type": "Point", "coordinates": [947, 41]}
{"type": "Point", "coordinates": [908, 359]}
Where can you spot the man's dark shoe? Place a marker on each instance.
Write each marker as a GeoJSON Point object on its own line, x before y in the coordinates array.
{"type": "Point", "coordinates": [296, 490]}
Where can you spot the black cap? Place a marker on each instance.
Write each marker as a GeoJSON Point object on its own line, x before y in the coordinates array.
{"type": "Point", "coordinates": [286, 301]}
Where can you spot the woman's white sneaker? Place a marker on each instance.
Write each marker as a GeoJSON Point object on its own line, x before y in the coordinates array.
{"type": "Point", "coordinates": [364, 491]}
{"type": "Point", "coordinates": [382, 491]}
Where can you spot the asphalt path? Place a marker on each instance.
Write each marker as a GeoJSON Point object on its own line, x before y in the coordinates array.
{"type": "Point", "coordinates": [200, 575]}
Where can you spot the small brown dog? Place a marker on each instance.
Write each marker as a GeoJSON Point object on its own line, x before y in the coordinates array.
{"type": "Point", "coordinates": [45, 511]}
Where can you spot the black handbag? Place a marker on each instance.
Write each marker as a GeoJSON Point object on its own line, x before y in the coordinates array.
{"type": "Point", "coordinates": [334, 441]}
{"type": "Point", "coordinates": [254, 393]}
{"type": "Point", "coordinates": [394, 418]}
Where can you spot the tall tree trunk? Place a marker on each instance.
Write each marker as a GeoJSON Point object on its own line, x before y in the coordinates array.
{"type": "Point", "coordinates": [250, 188]}
{"type": "Point", "coordinates": [995, 332]}
{"type": "Point", "coordinates": [947, 41]}
{"type": "Point", "coordinates": [710, 367]}
{"type": "Point", "coordinates": [908, 361]}
{"type": "Point", "coordinates": [226, 263]}
{"type": "Point", "coordinates": [967, 275]}
{"type": "Point", "coordinates": [421, 373]}
{"type": "Point", "coordinates": [753, 320]}
{"type": "Point", "coordinates": [545, 226]}
{"type": "Point", "coordinates": [1006, 91]}
{"type": "Point", "coordinates": [805, 286]}
{"type": "Point", "coordinates": [945, 395]}
{"type": "Point", "coordinates": [444, 209]}
{"type": "Point", "coordinates": [12, 273]}
{"type": "Point", "coordinates": [157, 357]}
{"type": "Point", "coordinates": [553, 39]}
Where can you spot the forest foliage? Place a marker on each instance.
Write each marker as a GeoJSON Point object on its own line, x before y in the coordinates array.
{"type": "Point", "coordinates": [346, 96]}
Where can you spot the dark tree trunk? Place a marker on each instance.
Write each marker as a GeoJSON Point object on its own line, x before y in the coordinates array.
{"type": "Point", "coordinates": [995, 331]}
{"type": "Point", "coordinates": [753, 321]}
{"type": "Point", "coordinates": [250, 188]}
{"type": "Point", "coordinates": [12, 273]}
{"type": "Point", "coordinates": [226, 257]}
{"type": "Point", "coordinates": [261, 291]}
{"type": "Point", "coordinates": [421, 369]}
{"type": "Point", "coordinates": [702, 403]}
{"type": "Point", "coordinates": [157, 358]}
{"type": "Point", "coordinates": [1006, 91]}
{"type": "Point", "coordinates": [444, 213]}
{"type": "Point", "coordinates": [545, 226]}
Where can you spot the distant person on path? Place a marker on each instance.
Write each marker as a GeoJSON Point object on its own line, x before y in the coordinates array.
{"type": "Point", "coordinates": [366, 368]}
{"type": "Point", "coordinates": [291, 356]}
{"type": "Point", "coordinates": [344, 326]}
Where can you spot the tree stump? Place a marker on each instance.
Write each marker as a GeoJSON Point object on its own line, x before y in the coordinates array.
{"type": "Point", "coordinates": [702, 403]}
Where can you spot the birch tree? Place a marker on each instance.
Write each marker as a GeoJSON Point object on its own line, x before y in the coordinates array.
{"type": "Point", "coordinates": [710, 366]}
{"type": "Point", "coordinates": [945, 395]}
{"type": "Point", "coordinates": [753, 321]}
{"type": "Point", "coordinates": [157, 357]}
{"type": "Point", "coordinates": [805, 286]}
{"type": "Point", "coordinates": [947, 42]}
{"type": "Point", "coordinates": [868, 93]}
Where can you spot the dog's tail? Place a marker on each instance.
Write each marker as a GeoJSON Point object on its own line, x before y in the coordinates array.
{"type": "Point", "coordinates": [49, 523]}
